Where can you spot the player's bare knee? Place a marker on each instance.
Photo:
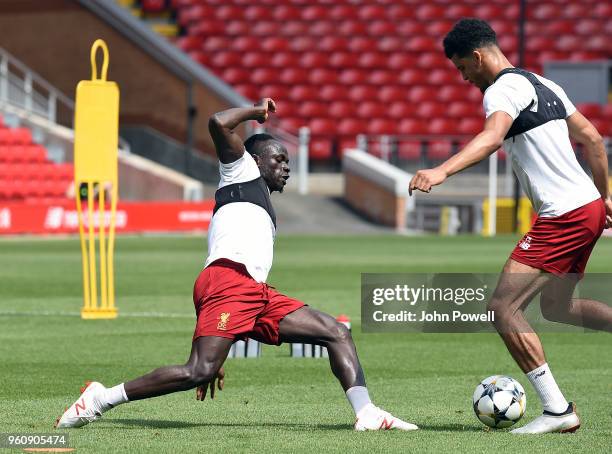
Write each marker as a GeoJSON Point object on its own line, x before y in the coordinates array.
{"type": "Point", "coordinates": [340, 333]}
{"type": "Point", "coordinates": [200, 373]}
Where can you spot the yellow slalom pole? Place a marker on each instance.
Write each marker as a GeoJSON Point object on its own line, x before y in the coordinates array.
{"type": "Point", "coordinates": [111, 250]}
{"type": "Point", "coordinates": [93, 278]}
{"type": "Point", "coordinates": [86, 290]}
{"type": "Point", "coordinates": [103, 262]}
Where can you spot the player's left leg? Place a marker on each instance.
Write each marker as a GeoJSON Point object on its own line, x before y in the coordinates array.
{"type": "Point", "coordinates": [307, 325]}
{"type": "Point", "coordinates": [517, 286]}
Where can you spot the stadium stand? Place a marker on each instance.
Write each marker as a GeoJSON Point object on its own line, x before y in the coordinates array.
{"type": "Point", "coordinates": [370, 60]}
{"type": "Point", "coordinates": [26, 173]}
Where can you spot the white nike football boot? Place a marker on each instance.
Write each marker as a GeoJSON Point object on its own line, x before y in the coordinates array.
{"type": "Point", "coordinates": [567, 421]}
{"type": "Point", "coordinates": [374, 418]}
{"type": "Point", "coordinates": [86, 409]}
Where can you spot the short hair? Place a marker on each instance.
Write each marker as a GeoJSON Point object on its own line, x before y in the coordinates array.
{"type": "Point", "coordinates": [256, 144]}
{"type": "Point", "coordinates": [468, 34]}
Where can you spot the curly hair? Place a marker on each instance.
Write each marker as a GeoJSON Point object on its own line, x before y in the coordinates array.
{"type": "Point", "coordinates": [468, 34]}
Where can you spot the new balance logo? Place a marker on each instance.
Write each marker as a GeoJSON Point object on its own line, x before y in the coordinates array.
{"type": "Point", "coordinates": [79, 405]}
{"type": "Point", "coordinates": [386, 425]}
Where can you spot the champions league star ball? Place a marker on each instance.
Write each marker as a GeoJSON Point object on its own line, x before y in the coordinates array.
{"type": "Point", "coordinates": [499, 401]}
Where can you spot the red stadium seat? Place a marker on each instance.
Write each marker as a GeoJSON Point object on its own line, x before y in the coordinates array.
{"type": "Point", "coordinates": [275, 44]}
{"type": "Point", "coordinates": [458, 11]}
{"type": "Point", "coordinates": [314, 13]}
{"type": "Point", "coordinates": [303, 43]}
{"type": "Point", "coordinates": [246, 44]}
{"type": "Point", "coordinates": [313, 109]}
{"type": "Point", "coordinates": [310, 60]}
{"type": "Point", "coordinates": [409, 150]}
{"type": "Point", "coordinates": [422, 44]}
{"type": "Point", "coordinates": [399, 110]}
{"type": "Point", "coordinates": [261, 76]}
{"type": "Point", "coordinates": [332, 44]}
{"type": "Point", "coordinates": [216, 43]}
{"type": "Point", "coordinates": [284, 108]}
{"type": "Point", "coordinates": [544, 12]}
{"type": "Point", "coordinates": [293, 76]}
{"type": "Point", "coordinates": [360, 44]}
{"type": "Point", "coordinates": [257, 13]}
{"type": "Point", "coordinates": [461, 110]}
{"type": "Point", "coordinates": [390, 44]}
{"type": "Point", "coordinates": [292, 124]}
{"type": "Point", "coordinates": [252, 60]}
{"type": "Point", "coordinates": [382, 78]}
{"type": "Point", "coordinates": [343, 60]}
{"type": "Point", "coordinates": [429, 110]}
{"type": "Point", "coordinates": [428, 11]}
{"type": "Point", "coordinates": [283, 13]}
{"type": "Point", "coordinates": [350, 126]}
{"type": "Point", "coordinates": [35, 153]}
{"type": "Point", "coordinates": [538, 44]}
{"type": "Point", "coordinates": [248, 91]}
{"type": "Point", "coordinates": [442, 77]}
{"type": "Point", "coordinates": [362, 93]}
{"type": "Point", "coordinates": [411, 126]}
{"type": "Point", "coordinates": [320, 76]}
{"type": "Point", "coordinates": [236, 76]}
{"type": "Point", "coordinates": [470, 126]}
{"type": "Point", "coordinates": [294, 28]}
{"type": "Point", "coordinates": [371, 109]}
{"type": "Point", "coordinates": [576, 9]}
{"type": "Point", "coordinates": [222, 60]}
{"type": "Point", "coordinates": [430, 60]}
{"type": "Point", "coordinates": [411, 77]}
{"type": "Point", "coordinates": [275, 91]}
{"type": "Point", "coordinates": [411, 28]}
{"type": "Point", "coordinates": [381, 126]}
{"type": "Point", "coordinates": [372, 12]}
{"type": "Point", "coordinates": [401, 60]}
{"type": "Point", "coordinates": [599, 44]}
{"type": "Point", "coordinates": [320, 149]}
{"type": "Point", "coordinates": [390, 93]}
{"type": "Point", "coordinates": [334, 93]}
{"type": "Point", "coordinates": [300, 93]}
{"type": "Point", "coordinates": [590, 110]}
{"type": "Point", "coordinates": [397, 11]}
{"type": "Point", "coordinates": [441, 126]}
{"type": "Point", "coordinates": [320, 126]}
{"type": "Point", "coordinates": [189, 43]}
{"type": "Point", "coordinates": [342, 109]}
{"type": "Point", "coordinates": [437, 29]}
{"type": "Point", "coordinates": [227, 12]}
{"type": "Point", "coordinates": [322, 28]}
{"type": "Point", "coordinates": [21, 136]}
{"type": "Point", "coordinates": [262, 28]}
{"type": "Point", "coordinates": [284, 59]}
{"type": "Point", "coordinates": [372, 60]}
{"type": "Point", "coordinates": [439, 150]}
{"type": "Point", "coordinates": [340, 12]}
{"type": "Point", "coordinates": [352, 28]}
{"type": "Point", "coordinates": [351, 77]}
{"type": "Point", "coordinates": [381, 28]}
{"type": "Point", "coordinates": [420, 94]}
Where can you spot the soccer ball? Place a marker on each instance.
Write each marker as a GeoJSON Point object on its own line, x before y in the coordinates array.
{"type": "Point", "coordinates": [499, 401]}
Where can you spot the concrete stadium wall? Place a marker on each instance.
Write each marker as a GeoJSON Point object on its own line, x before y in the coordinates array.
{"type": "Point", "coordinates": [54, 37]}
{"type": "Point", "coordinates": [375, 188]}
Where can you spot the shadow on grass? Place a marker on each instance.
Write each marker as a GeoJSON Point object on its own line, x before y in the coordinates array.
{"type": "Point", "coordinates": [450, 428]}
{"type": "Point", "coordinates": [168, 424]}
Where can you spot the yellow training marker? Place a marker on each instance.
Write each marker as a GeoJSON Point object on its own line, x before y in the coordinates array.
{"type": "Point", "coordinates": [96, 131]}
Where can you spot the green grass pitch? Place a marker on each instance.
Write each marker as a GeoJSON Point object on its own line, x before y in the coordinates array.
{"type": "Point", "coordinates": [275, 403]}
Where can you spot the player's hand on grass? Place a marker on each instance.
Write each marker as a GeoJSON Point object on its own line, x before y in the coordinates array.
{"type": "Point", "coordinates": [608, 203]}
{"type": "Point", "coordinates": [268, 105]}
{"type": "Point", "coordinates": [216, 382]}
{"type": "Point", "coordinates": [425, 179]}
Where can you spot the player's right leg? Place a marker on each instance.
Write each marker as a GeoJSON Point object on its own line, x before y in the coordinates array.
{"type": "Point", "coordinates": [307, 325]}
{"type": "Point", "coordinates": [517, 286]}
{"type": "Point", "coordinates": [207, 356]}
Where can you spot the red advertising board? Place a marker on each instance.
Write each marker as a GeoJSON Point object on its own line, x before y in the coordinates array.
{"type": "Point", "coordinates": [131, 217]}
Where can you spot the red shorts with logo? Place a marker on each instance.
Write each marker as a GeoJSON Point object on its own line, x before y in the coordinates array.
{"type": "Point", "coordinates": [563, 244]}
{"type": "Point", "coordinates": [230, 303]}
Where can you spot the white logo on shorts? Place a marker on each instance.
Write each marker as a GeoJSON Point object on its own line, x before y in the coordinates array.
{"type": "Point", "coordinates": [526, 243]}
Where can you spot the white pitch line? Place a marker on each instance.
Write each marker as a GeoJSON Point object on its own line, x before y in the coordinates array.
{"type": "Point", "coordinates": [78, 314]}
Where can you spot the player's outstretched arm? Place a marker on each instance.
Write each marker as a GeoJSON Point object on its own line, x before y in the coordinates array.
{"type": "Point", "coordinates": [228, 144]}
{"type": "Point", "coordinates": [488, 141]}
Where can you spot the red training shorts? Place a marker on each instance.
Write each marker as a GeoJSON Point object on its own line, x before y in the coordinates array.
{"type": "Point", "coordinates": [563, 244]}
{"type": "Point", "coordinates": [230, 303]}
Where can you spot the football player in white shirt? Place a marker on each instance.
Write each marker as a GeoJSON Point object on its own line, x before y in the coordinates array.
{"type": "Point", "coordinates": [532, 118]}
{"type": "Point", "coordinates": [231, 297]}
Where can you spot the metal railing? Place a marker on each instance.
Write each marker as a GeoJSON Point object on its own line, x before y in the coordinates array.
{"type": "Point", "coordinates": [23, 88]}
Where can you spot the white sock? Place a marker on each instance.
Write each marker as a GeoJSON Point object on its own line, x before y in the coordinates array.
{"type": "Point", "coordinates": [113, 396]}
{"type": "Point", "coordinates": [547, 389]}
{"type": "Point", "coordinates": [358, 397]}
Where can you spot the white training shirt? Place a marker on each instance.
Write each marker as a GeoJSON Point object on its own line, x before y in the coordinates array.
{"type": "Point", "coordinates": [241, 231]}
{"type": "Point", "coordinates": [542, 158]}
